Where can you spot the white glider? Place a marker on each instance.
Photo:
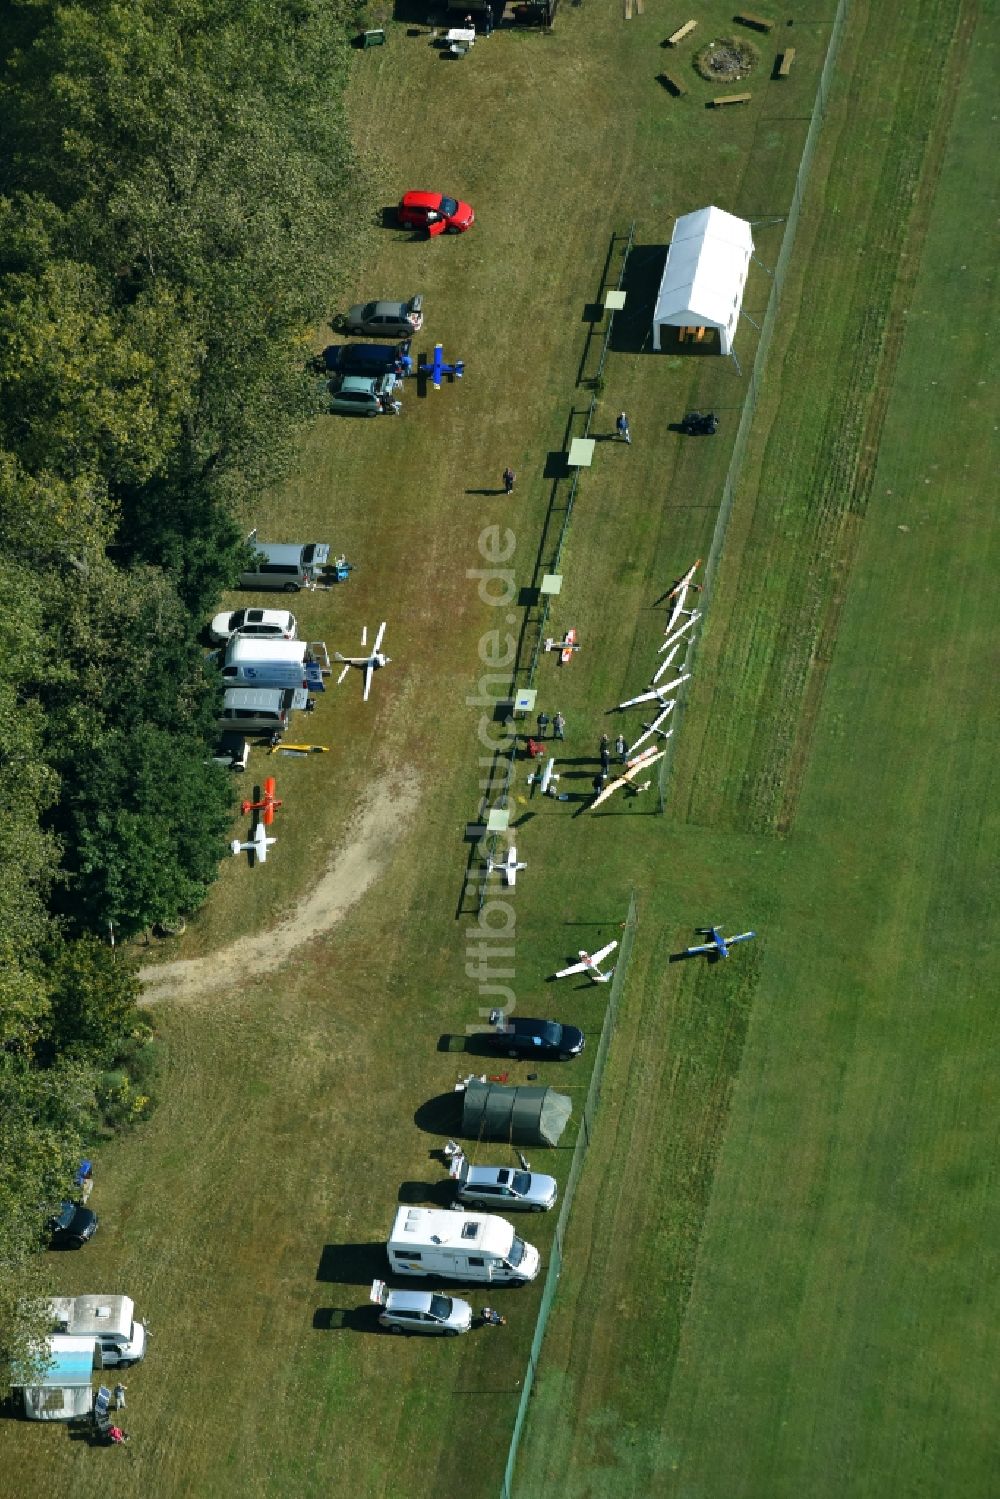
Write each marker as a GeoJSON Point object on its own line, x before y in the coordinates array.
{"type": "Point", "coordinates": [667, 662]}
{"type": "Point", "coordinates": [590, 963]}
{"type": "Point", "coordinates": [692, 619]}
{"type": "Point", "coordinates": [654, 727]}
{"type": "Point", "coordinates": [659, 693]}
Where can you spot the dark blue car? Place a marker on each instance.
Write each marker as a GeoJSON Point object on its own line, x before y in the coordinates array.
{"type": "Point", "coordinates": [368, 359]}
{"type": "Point", "coordinates": [521, 1037]}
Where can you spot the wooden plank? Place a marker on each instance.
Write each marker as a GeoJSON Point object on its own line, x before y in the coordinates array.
{"type": "Point", "coordinates": [681, 32]}
{"type": "Point", "coordinates": [628, 10]}
{"type": "Point", "coordinates": [731, 99]}
{"type": "Point", "coordinates": [787, 58]}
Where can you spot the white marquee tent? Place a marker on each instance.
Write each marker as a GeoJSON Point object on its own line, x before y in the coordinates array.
{"type": "Point", "coordinates": [705, 273]}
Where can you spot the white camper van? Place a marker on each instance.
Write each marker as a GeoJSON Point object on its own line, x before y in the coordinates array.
{"type": "Point", "coordinates": [121, 1340]}
{"type": "Point", "coordinates": [460, 1246]}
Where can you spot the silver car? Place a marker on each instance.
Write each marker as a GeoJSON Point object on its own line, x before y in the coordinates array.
{"type": "Point", "coordinates": [364, 395]}
{"type": "Point", "coordinates": [386, 319]}
{"type": "Point", "coordinates": [503, 1187]}
{"type": "Point", "coordinates": [421, 1311]}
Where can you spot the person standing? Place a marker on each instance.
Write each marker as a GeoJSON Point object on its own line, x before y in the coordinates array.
{"type": "Point", "coordinates": [489, 20]}
{"type": "Point", "coordinates": [621, 749]}
{"type": "Point", "coordinates": [543, 724]}
{"type": "Point", "coordinates": [508, 480]}
{"type": "Point", "coordinates": [605, 754]}
{"type": "Point", "coordinates": [559, 726]}
{"type": "Point", "coordinates": [622, 428]}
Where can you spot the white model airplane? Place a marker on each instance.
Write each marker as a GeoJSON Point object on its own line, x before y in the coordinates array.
{"type": "Point", "coordinates": [679, 594]}
{"type": "Point", "coordinates": [590, 963]}
{"type": "Point", "coordinates": [660, 693]}
{"type": "Point", "coordinates": [683, 584]}
{"type": "Point", "coordinates": [369, 664]}
{"type": "Point", "coordinates": [258, 845]}
{"type": "Point", "coordinates": [506, 868]}
{"type": "Point", "coordinates": [692, 619]}
{"type": "Point", "coordinates": [547, 780]}
{"type": "Point", "coordinates": [635, 767]}
{"type": "Point", "coordinates": [668, 661]}
{"type": "Point", "coordinates": [654, 727]}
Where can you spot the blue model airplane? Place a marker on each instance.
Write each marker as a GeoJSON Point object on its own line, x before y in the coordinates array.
{"type": "Point", "coordinates": [719, 946]}
{"type": "Point", "coordinates": [439, 368]}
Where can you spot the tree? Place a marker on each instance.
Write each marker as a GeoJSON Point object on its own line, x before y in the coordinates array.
{"type": "Point", "coordinates": [144, 830]}
{"type": "Point", "coordinates": [93, 1002]}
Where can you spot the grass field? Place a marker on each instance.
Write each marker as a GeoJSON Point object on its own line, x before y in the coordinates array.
{"type": "Point", "coordinates": [247, 1218]}
{"type": "Point", "coordinates": [825, 1293]}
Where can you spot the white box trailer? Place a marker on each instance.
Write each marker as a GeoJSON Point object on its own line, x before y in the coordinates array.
{"type": "Point", "coordinates": [121, 1340]}
{"type": "Point", "coordinates": [478, 1247]}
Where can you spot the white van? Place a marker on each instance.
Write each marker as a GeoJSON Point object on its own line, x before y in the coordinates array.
{"type": "Point", "coordinates": [276, 663]}
{"type": "Point", "coordinates": [473, 1246]}
{"type": "Point", "coordinates": [264, 663]}
{"type": "Point", "coordinates": [260, 710]}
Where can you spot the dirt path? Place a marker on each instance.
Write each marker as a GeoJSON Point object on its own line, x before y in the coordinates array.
{"type": "Point", "coordinates": [389, 803]}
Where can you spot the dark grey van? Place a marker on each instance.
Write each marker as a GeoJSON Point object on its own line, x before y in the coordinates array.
{"type": "Point", "coordinates": [260, 710]}
{"type": "Point", "coordinates": [286, 566]}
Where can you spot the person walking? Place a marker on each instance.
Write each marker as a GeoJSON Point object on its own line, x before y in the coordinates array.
{"type": "Point", "coordinates": [622, 428]}
{"type": "Point", "coordinates": [621, 749]}
{"type": "Point", "coordinates": [559, 726]}
{"type": "Point", "coordinates": [605, 754]}
{"type": "Point", "coordinates": [508, 480]}
{"type": "Point", "coordinates": [543, 724]}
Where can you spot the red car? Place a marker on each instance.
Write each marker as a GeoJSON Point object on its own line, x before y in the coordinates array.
{"type": "Point", "coordinates": [435, 213]}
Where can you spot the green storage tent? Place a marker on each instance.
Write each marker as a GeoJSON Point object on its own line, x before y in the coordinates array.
{"type": "Point", "coordinates": [521, 1116]}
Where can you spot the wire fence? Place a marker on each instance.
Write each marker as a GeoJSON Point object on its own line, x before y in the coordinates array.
{"type": "Point", "coordinates": [757, 369]}
{"type": "Point", "coordinates": [569, 1190]}
{"type": "Point", "coordinates": [549, 558]}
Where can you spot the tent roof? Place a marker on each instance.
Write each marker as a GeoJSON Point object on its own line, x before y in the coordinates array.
{"type": "Point", "coordinates": [70, 1362]}
{"type": "Point", "coordinates": [524, 1116]}
{"type": "Point", "coordinates": [706, 269]}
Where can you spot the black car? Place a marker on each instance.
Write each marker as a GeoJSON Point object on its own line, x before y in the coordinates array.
{"type": "Point", "coordinates": [72, 1226]}
{"type": "Point", "coordinates": [367, 359]}
{"type": "Point", "coordinates": [534, 1038]}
